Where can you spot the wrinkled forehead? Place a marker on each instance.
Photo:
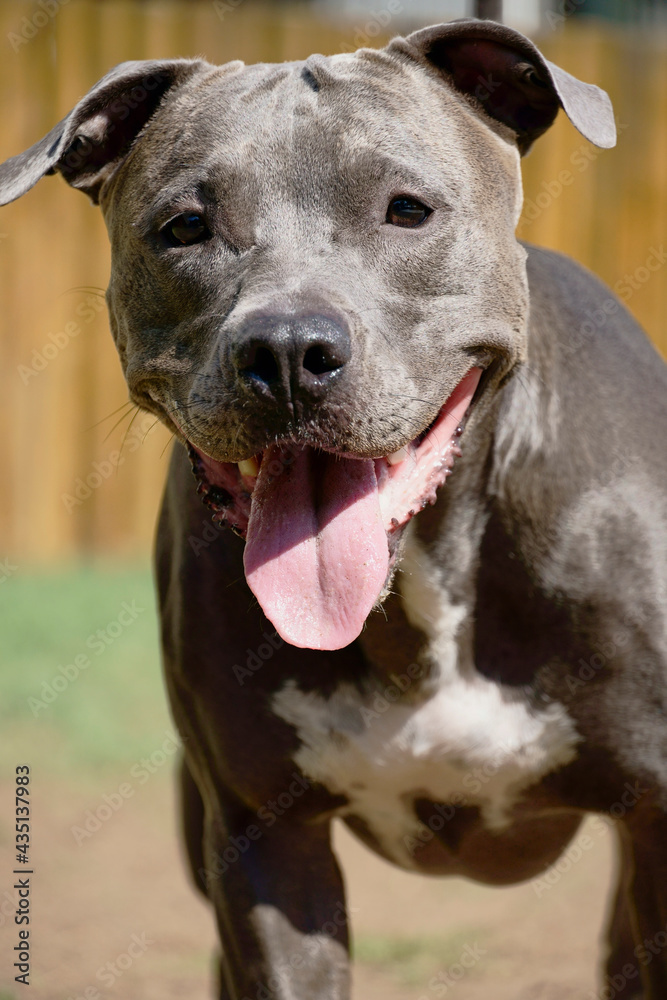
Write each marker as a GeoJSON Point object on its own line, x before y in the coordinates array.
{"type": "Point", "coordinates": [358, 99]}
{"type": "Point", "coordinates": [309, 121]}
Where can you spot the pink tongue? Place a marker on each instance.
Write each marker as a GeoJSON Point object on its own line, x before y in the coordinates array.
{"type": "Point", "coordinates": [316, 555]}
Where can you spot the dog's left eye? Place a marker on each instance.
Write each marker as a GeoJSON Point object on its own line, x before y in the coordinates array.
{"type": "Point", "coordinates": [186, 229]}
{"type": "Point", "coordinates": [407, 212]}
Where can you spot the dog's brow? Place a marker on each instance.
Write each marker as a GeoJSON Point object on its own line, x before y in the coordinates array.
{"type": "Point", "coordinates": [381, 167]}
{"type": "Point", "coordinates": [169, 203]}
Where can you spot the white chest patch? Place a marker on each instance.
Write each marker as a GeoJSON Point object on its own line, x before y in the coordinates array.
{"type": "Point", "coordinates": [467, 740]}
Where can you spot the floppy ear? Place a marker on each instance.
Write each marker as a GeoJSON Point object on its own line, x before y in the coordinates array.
{"type": "Point", "coordinates": [88, 144]}
{"type": "Point", "coordinates": [511, 79]}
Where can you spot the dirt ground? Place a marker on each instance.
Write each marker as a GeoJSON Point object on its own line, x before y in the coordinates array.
{"type": "Point", "coordinates": [416, 938]}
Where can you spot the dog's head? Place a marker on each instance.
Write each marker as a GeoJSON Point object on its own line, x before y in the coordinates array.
{"type": "Point", "coordinates": [315, 277]}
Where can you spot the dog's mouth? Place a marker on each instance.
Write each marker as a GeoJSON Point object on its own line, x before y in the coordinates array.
{"type": "Point", "coordinates": [321, 529]}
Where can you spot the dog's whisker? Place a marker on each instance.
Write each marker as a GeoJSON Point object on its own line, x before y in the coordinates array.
{"type": "Point", "coordinates": [170, 440]}
{"type": "Point", "coordinates": [121, 419]}
{"type": "Point", "coordinates": [129, 428]}
{"type": "Point", "coordinates": [147, 432]}
{"type": "Point", "coordinates": [414, 399]}
{"type": "Point", "coordinates": [87, 290]}
{"type": "Point", "coordinates": [123, 406]}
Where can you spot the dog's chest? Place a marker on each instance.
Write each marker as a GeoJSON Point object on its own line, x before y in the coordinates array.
{"type": "Point", "coordinates": [466, 739]}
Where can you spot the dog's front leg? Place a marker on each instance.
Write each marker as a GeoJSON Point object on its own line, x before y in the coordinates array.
{"type": "Point", "coordinates": [621, 968]}
{"type": "Point", "coordinates": [641, 907]}
{"type": "Point", "coordinates": [280, 907]}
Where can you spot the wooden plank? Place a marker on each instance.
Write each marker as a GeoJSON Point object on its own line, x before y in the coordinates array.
{"type": "Point", "coordinates": [54, 427]}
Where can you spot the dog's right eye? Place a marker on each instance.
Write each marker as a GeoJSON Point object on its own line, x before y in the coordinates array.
{"type": "Point", "coordinates": [407, 212]}
{"type": "Point", "coordinates": [185, 230]}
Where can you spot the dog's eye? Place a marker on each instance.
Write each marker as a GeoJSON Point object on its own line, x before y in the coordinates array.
{"type": "Point", "coordinates": [407, 212]}
{"type": "Point", "coordinates": [186, 229]}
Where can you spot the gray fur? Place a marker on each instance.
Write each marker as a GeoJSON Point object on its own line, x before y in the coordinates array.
{"type": "Point", "coordinates": [550, 537]}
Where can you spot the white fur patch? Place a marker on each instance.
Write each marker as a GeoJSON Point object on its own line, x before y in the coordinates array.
{"type": "Point", "coordinates": [464, 736]}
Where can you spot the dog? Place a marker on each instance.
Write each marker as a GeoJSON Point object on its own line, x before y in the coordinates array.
{"type": "Point", "coordinates": [317, 287]}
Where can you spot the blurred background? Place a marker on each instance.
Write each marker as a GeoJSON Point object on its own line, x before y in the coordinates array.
{"type": "Point", "coordinates": [61, 495]}
{"type": "Point", "coordinates": [80, 483]}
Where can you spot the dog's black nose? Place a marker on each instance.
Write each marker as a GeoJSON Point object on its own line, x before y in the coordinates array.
{"type": "Point", "coordinates": [291, 354]}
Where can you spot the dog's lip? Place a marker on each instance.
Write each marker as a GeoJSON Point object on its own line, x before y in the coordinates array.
{"type": "Point", "coordinates": [405, 487]}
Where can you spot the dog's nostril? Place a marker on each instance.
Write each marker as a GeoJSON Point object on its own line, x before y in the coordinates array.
{"type": "Point", "coordinates": [278, 355]}
{"type": "Point", "coordinates": [263, 366]}
{"type": "Point", "coordinates": [318, 362]}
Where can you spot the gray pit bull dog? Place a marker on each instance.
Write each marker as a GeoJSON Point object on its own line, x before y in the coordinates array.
{"type": "Point", "coordinates": [316, 285]}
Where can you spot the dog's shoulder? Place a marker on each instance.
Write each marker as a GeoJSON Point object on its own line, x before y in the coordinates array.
{"type": "Point", "coordinates": [587, 318]}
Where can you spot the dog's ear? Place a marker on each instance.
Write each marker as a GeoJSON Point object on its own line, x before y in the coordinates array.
{"type": "Point", "coordinates": [92, 140]}
{"type": "Point", "coordinates": [510, 78]}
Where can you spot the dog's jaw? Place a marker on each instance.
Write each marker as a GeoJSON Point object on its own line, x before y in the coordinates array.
{"type": "Point", "coordinates": [319, 561]}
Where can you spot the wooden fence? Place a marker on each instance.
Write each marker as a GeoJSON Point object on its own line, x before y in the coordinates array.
{"type": "Point", "coordinates": [66, 489]}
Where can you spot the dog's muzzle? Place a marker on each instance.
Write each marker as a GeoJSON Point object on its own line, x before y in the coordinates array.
{"type": "Point", "coordinates": [320, 527]}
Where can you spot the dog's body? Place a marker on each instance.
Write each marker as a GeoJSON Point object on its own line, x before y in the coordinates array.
{"type": "Point", "coordinates": [299, 326]}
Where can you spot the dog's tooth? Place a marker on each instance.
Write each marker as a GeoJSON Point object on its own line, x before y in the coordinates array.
{"type": "Point", "coordinates": [249, 467]}
{"type": "Point", "coordinates": [398, 456]}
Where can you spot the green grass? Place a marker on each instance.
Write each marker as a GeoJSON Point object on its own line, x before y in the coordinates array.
{"type": "Point", "coordinates": [115, 709]}
{"type": "Point", "coordinates": [411, 960]}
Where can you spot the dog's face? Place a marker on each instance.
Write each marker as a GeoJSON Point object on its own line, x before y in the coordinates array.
{"type": "Point", "coordinates": [329, 247]}
{"type": "Point", "coordinates": [314, 278]}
